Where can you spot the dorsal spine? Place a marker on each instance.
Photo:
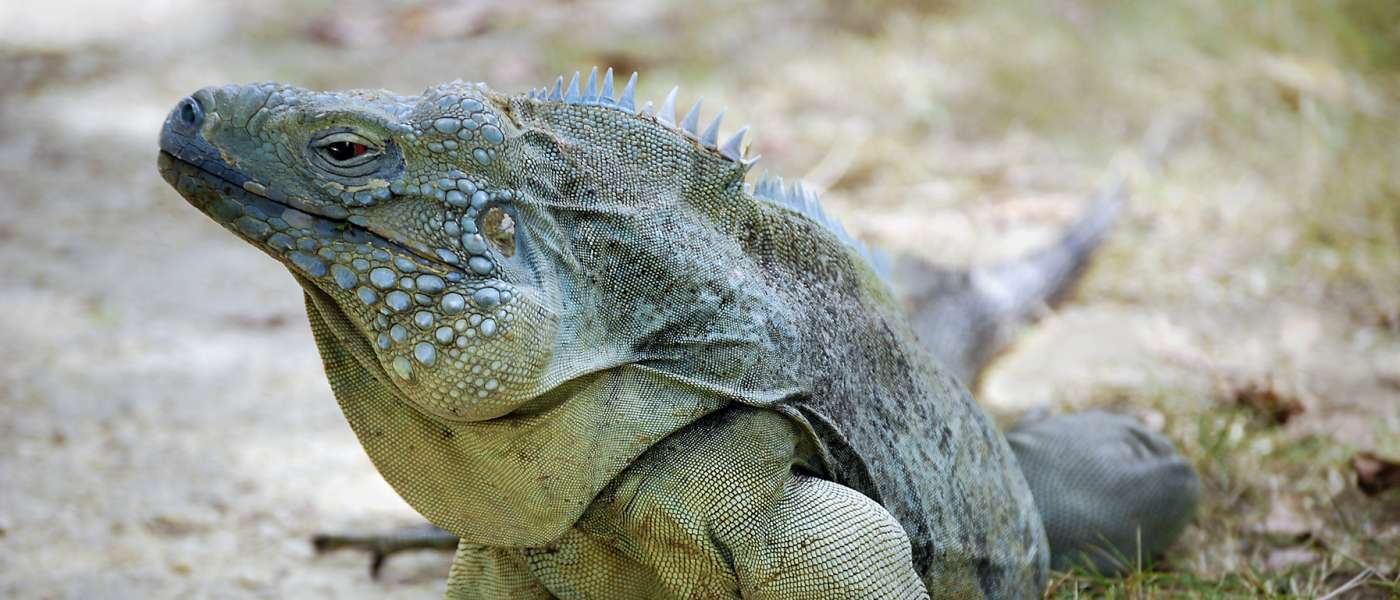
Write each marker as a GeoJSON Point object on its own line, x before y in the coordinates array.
{"type": "Point", "coordinates": [797, 197]}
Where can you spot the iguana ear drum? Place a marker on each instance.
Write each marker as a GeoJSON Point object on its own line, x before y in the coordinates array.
{"type": "Point", "coordinates": [498, 227]}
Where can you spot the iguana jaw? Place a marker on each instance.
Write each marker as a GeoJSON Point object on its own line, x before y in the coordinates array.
{"type": "Point", "coordinates": [257, 218]}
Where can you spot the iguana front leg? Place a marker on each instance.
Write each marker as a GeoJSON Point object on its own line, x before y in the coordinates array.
{"type": "Point", "coordinates": [486, 573]}
{"type": "Point", "coordinates": [716, 511]}
{"type": "Point", "coordinates": [825, 540]}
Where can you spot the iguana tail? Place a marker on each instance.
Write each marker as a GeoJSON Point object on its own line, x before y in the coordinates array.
{"type": "Point", "coordinates": [966, 317]}
{"type": "Point", "coordinates": [1110, 493]}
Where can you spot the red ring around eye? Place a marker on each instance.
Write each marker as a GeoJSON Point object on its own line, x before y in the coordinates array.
{"type": "Point", "coordinates": [359, 149]}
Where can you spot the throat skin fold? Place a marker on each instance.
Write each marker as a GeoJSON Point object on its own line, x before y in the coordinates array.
{"type": "Point", "coordinates": [518, 480]}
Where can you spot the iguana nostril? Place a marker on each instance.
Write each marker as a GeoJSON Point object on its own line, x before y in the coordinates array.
{"type": "Point", "coordinates": [189, 113]}
{"type": "Point", "coordinates": [181, 135]}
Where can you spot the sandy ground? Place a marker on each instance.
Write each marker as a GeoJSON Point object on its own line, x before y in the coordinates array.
{"type": "Point", "coordinates": [165, 429]}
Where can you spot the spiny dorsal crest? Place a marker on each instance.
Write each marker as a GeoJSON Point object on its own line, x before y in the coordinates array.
{"type": "Point", "coordinates": [797, 197]}
{"type": "Point", "coordinates": [590, 94]}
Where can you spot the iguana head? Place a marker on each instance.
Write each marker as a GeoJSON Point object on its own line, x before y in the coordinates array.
{"type": "Point", "coordinates": [476, 250]}
{"type": "Point", "coordinates": [398, 213]}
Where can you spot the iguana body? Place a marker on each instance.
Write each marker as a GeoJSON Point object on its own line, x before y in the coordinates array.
{"type": "Point", "coordinates": [568, 334]}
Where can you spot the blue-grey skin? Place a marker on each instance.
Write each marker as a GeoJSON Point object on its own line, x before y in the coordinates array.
{"type": "Point", "coordinates": [534, 308]}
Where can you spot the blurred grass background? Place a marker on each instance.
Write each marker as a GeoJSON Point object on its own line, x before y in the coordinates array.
{"type": "Point", "coordinates": [1248, 305]}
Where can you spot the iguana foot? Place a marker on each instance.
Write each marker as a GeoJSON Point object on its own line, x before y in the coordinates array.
{"type": "Point", "coordinates": [1110, 492]}
{"type": "Point", "coordinates": [382, 546]}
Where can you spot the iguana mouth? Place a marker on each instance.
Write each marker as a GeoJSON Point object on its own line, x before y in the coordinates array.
{"type": "Point", "coordinates": [227, 175]}
{"type": "Point", "coordinates": [228, 202]}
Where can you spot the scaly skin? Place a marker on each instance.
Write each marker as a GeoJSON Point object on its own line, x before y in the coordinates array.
{"type": "Point", "coordinates": [567, 334]}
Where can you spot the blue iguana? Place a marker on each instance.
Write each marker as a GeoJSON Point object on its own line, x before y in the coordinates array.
{"type": "Point", "coordinates": [568, 332]}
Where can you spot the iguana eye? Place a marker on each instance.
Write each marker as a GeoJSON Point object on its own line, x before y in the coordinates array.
{"type": "Point", "coordinates": [346, 154]}
{"type": "Point", "coordinates": [345, 150]}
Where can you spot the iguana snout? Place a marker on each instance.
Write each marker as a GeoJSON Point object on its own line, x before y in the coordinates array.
{"type": "Point", "coordinates": [395, 212]}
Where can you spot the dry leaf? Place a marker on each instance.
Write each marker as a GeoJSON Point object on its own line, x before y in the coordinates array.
{"type": "Point", "coordinates": [1265, 398]}
{"type": "Point", "coordinates": [1375, 475]}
